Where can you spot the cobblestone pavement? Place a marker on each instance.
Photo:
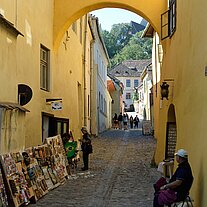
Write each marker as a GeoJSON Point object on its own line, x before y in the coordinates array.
{"type": "Point", "coordinates": [120, 174]}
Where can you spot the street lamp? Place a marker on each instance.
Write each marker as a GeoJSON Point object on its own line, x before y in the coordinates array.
{"type": "Point", "coordinates": [164, 90]}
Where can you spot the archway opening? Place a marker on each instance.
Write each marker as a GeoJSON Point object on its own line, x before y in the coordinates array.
{"type": "Point", "coordinates": [65, 15]}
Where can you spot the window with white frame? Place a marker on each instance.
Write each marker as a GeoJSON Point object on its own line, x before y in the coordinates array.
{"type": "Point", "coordinates": [128, 95]}
{"type": "Point", "coordinates": [136, 82]}
{"type": "Point", "coordinates": [128, 83]}
{"type": "Point", "coordinates": [44, 68]}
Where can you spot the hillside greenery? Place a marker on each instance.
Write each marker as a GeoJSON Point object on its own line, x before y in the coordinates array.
{"type": "Point", "coordinates": [122, 45]}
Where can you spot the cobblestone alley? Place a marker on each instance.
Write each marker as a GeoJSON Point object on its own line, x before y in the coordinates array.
{"type": "Point", "coordinates": [120, 174]}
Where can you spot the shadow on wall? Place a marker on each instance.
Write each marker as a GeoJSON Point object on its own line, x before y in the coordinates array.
{"type": "Point", "coordinates": [200, 191]}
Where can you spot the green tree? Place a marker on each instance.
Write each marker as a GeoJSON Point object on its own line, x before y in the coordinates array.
{"type": "Point", "coordinates": [122, 45]}
{"type": "Point", "coordinates": [117, 38]}
{"type": "Point", "coordinates": [137, 49]}
{"type": "Point", "coordinates": [109, 41]}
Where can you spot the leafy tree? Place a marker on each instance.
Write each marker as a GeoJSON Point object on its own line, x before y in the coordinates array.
{"type": "Point", "coordinates": [109, 41]}
{"type": "Point", "coordinates": [122, 45]}
{"type": "Point", "coordinates": [137, 49]}
{"type": "Point", "coordinates": [117, 38]}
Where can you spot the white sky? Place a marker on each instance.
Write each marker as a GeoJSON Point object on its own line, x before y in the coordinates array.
{"type": "Point", "coordinates": [108, 17]}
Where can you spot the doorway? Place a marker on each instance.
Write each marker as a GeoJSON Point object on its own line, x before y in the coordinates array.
{"type": "Point", "coordinates": [171, 133]}
{"type": "Point", "coordinates": [52, 126]}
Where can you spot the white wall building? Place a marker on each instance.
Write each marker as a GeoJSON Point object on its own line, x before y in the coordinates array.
{"type": "Point", "coordinates": [147, 85]}
{"type": "Point", "coordinates": [100, 97]}
{"type": "Point", "coordinates": [129, 73]}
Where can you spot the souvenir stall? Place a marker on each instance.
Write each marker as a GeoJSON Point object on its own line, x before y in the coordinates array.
{"type": "Point", "coordinates": [35, 174]}
{"type": "Point", "coordinates": [28, 175]}
{"type": "Point", "coordinates": [58, 158]}
{"type": "Point", "coordinates": [20, 188]}
{"type": "Point", "coordinates": [3, 195]}
{"type": "Point", "coordinates": [43, 155]}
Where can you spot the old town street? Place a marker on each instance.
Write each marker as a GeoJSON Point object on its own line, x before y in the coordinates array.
{"type": "Point", "coordinates": [120, 174]}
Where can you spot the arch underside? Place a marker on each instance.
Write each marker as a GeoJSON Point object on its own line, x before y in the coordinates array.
{"type": "Point", "coordinates": [66, 12]}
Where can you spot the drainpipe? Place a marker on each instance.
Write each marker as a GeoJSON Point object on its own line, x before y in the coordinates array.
{"type": "Point", "coordinates": [84, 71]}
{"type": "Point", "coordinates": [92, 99]}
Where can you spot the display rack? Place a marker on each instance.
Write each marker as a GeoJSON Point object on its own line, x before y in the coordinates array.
{"type": "Point", "coordinates": [35, 174]}
{"type": "Point", "coordinates": [20, 189]}
{"type": "Point", "coordinates": [58, 157]}
{"type": "Point", "coordinates": [43, 155]}
{"type": "Point", "coordinates": [28, 175]}
{"type": "Point", "coordinates": [3, 195]}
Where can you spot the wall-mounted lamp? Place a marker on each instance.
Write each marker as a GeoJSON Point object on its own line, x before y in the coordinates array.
{"type": "Point", "coordinates": [164, 90]}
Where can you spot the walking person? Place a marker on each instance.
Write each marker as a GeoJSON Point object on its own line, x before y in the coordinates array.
{"type": "Point", "coordinates": [131, 121]}
{"type": "Point", "coordinates": [125, 120]}
{"type": "Point", "coordinates": [115, 121]}
{"type": "Point", "coordinates": [86, 147]}
{"type": "Point", "coordinates": [136, 122]}
{"type": "Point", "coordinates": [120, 120]}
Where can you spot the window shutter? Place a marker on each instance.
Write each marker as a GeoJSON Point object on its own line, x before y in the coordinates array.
{"type": "Point", "coordinates": [164, 25]}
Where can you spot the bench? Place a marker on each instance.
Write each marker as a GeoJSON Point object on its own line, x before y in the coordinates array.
{"type": "Point", "coordinates": [188, 202]}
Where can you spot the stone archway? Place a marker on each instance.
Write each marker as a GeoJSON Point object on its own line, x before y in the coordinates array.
{"type": "Point", "coordinates": [171, 133]}
{"type": "Point", "coordinates": [66, 12]}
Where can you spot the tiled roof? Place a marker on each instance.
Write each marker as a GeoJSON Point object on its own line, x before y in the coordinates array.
{"type": "Point", "coordinates": [130, 68]}
{"type": "Point", "coordinates": [110, 86]}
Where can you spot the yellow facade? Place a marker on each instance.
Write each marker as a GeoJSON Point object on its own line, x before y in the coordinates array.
{"type": "Point", "coordinates": [20, 64]}
{"type": "Point", "coordinates": [183, 68]}
{"type": "Point", "coordinates": [184, 64]}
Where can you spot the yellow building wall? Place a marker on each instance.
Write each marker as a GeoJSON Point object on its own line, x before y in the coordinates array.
{"type": "Point", "coordinates": [185, 61]}
{"type": "Point", "coordinates": [22, 65]}
{"type": "Point", "coordinates": [68, 75]}
{"type": "Point", "coordinates": [65, 14]}
{"type": "Point", "coordinates": [8, 69]}
{"type": "Point", "coordinates": [23, 62]}
{"type": "Point", "coordinates": [88, 58]}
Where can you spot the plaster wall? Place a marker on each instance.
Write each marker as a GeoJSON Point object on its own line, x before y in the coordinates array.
{"type": "Point", "coordinates": [21, 64]}
{"type": "Point", "coordinates": [156, 83]}
{"type": "Point", "coordinates": [130, 89]}
{"type": "Point", "coordinates": [185, 61]}
{"type": "Point", "coordinates": [23, 60]}
{"type": "Point", "coordinates": [65, 14]}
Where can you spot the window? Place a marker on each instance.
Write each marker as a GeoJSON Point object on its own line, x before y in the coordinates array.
{"type": "Point", "coordinates": [74, 27]}
{"type": "Point", "coordinates": [136, 82]}
{"type": "Point", "coordinates": [172, 17]}
{"type": "Point", "coordinates": [128, 83]}
{"type": "Point", "coordinates": [52, 126]}
{"type": "Point", "coordinates": [44, 68]}
{"type": "Point", "coordinates": [168, 20]}
{"type": "Point", "coordinates": [128, 95]}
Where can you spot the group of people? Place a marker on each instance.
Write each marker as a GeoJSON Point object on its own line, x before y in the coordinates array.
{"type": "Point", "coordinates": [70, 146]}
{"type": "Point", "coordinates": [166, 192]}
{"type": "Point", "coordinates": [125, 120]}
